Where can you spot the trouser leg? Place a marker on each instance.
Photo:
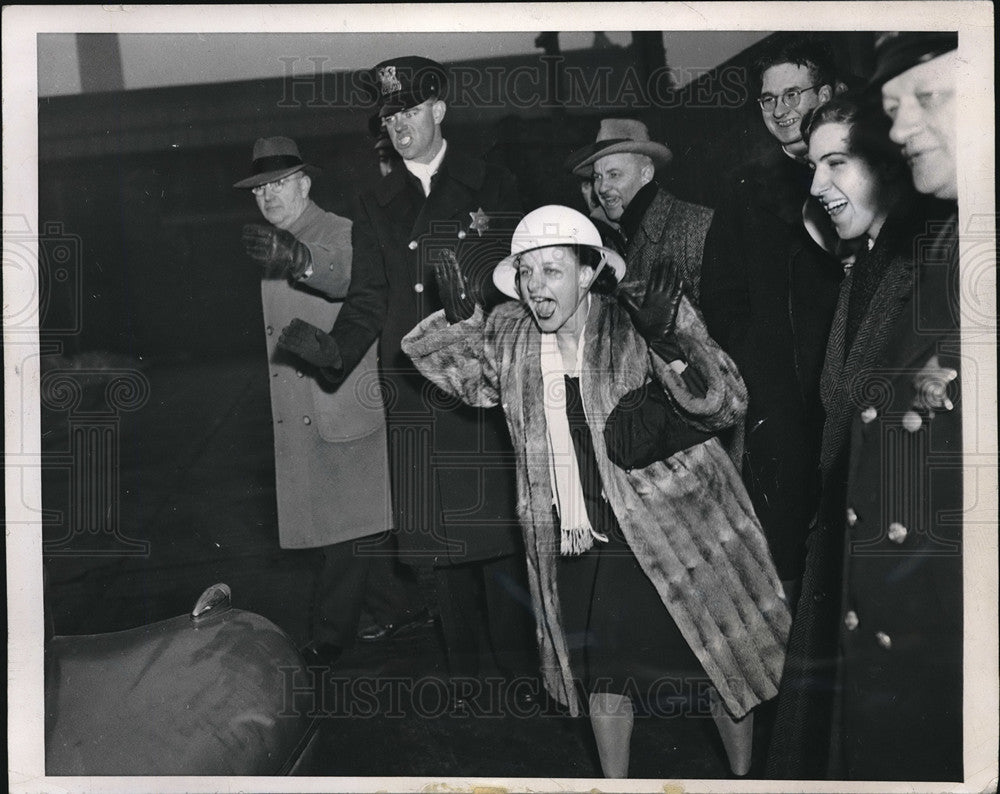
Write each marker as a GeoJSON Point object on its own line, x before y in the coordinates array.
{"type": "Point", "coordinates": [509, 615]}
{"type": "Point", "coordinates": [393, 593]}
{"type": "Point", "coordinates": [459, 593]}
{"type": "Point", "coordinates": [339, 594]}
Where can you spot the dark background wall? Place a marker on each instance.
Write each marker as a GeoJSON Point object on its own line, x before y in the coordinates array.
{"type": "Point", "coordinates": [140, 181]}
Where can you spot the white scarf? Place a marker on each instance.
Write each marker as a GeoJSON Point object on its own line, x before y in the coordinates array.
{"type": "Point", "coordinates": [576, 533]}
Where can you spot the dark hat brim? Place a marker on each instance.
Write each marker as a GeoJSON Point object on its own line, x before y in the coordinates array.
{"type": "Point", "coordinates": [273, 176]}
{"type": "Point", "coordinates": [907, 50]}
{"type": "Point", "coordinates": [657, 152]}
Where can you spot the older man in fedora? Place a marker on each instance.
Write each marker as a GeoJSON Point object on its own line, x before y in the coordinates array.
{"type": "Point", "coordinates": [874, 688]}
{"type": "Point", "coordinates": [657, 229]}
{"type": "Point", "coordinates": [329, 445]}
{"type": "Point", "coordinates": [452, 475]}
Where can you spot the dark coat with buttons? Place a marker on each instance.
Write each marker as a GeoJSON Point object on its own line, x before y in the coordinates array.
{"type": "Point", "coordinates": [323, 436]}
{"type": "Point", "coordinates": [872, 689]}
{"type": "Point", "coordinates": [768, 293]}
{"type": "Point", "coordinates": [451, 468]}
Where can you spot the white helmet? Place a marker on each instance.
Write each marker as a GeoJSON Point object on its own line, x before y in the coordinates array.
{"type": "Point", "coordinates": [551, 225]}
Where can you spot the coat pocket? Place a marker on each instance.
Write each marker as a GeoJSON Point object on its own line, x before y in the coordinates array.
{"type": "Point", "coordinates": [355, 409]}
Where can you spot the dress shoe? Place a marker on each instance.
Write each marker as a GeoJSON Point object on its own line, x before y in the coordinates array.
{"type": "Point", "coordinates": [321, 654]}
{"type": "Point", "coordinates": [384, 631]}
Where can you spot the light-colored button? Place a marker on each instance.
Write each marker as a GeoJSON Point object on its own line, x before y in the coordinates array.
{"type": "Point", "coordinates": [912, 421]}
{"type": "Point", "coordinates": [413, 245]}
{"type": "Point", "coordinates": [418, 287]}
{"type": "Point", "coordinates": [852, 517]}
{"type": "Point", "coordinates": [461, 234]}
{"type": "Point", "coordinates": [869, 414]}
{"type": "Point", "coordinates": [306, 420]}
{"type": "Point", "coordinates": [883, 639]}
{"type": "Point", "coordinates": [851, 620]}
{"type": "Point", "coordinates": [897, 532]}
{"type": "Point", "coordinates": [298, 373]}
{"type": "Point", "coordinates": [269, 330]}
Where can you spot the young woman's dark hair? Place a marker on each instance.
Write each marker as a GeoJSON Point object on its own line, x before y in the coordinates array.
{"type": "Point", "coordinates": [868, 132]}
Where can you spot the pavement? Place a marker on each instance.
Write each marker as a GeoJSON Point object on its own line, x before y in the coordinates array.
{"type": "Point", "coordinates": [191, 502]}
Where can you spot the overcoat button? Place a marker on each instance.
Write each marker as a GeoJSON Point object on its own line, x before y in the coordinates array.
{"type": "Point", "coordinates": [852, 517]}
{"type": "Point", "coordinates": [418, 287]}
{"type": "Point", "coordinates": [461, 234]}
{"type": "Point", "coordinates": [269, 330]}
{"type": "Point", "coordinates": [851, 620]}
{"type": "Point", "coordinates": [869, 414]}
{"type": "Point", "coordinates": [298, 373]}
{"type": "Point", "coordinates": [912, 421]}
{"type": "Point", "coordinates": [413, 245]}
{"type": "Point", "coordinates": [306, 420]}
{"type": "Point", "coordinates": [883, 639]}
{"type": "Point", "coordinates": [897, 532]}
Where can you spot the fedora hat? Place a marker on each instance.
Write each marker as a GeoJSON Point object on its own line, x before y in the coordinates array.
{"type": "Point", "coordinates": [897, 52]}
{"type": "Point", "coordinates": [402, 83]}
{"type": "Point", "coordinates": [547, 226]}
{"type": "Point", "coordinates": [274, 159]}
{"type": "Point", "coordinates": [619, 136]}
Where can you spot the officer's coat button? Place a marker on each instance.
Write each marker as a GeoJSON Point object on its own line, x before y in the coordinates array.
{"type": "Point", "coordinates": [897, 532]}
{"type": "Point", "coordinates": [413, 245]}
{"type": "Point", "coordinates": [883, 639]}
{"type": "Point", "coordinates": [869, 414]}
{"type": "Point", "coordinates": [418, 287]}
{"type": "Point", "coordinates": [851, 620]}
{"type": "Point", "coordinates": [912, 421]}
{"type": "Point", "coordinates": [852, 517]}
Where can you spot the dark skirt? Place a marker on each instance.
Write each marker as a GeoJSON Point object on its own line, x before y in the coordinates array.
{"type": "Point", "coordinates": [620, 635]}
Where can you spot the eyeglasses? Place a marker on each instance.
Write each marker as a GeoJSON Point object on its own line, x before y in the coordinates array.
{"type": "Point", "coordinates": [790, 98]}
{"type": "Point", "coordinates": [276, 185]}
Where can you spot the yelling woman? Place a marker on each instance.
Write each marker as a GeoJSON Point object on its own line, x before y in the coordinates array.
{"type": "Point", "coordinates": [649, 571]}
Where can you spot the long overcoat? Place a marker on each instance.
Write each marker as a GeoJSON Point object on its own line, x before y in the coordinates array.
{"type": "Point", "coordinates": [687, 519]}
{"type": "Point", "coordinates": [768, 292]}
{"type": "Point", "coordinates": [875, 657]}
{"type": "Point", "coordinates": [451, 470]}
{"type": "Point", "coordinates": [328, 445]}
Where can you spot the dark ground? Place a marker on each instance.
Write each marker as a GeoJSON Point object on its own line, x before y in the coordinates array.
{"type": "Point", "coordinates": [196, 484]}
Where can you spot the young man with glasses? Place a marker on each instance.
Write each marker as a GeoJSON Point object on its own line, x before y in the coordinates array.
{"type": "Point", "coordinates": [768, 293]}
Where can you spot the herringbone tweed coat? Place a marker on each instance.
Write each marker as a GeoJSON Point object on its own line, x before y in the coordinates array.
{"type": "Point", "coordinates": [687, 519]}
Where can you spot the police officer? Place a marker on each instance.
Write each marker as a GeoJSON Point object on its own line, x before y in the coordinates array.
{"type": "Point", "coordinates": [451, 467]}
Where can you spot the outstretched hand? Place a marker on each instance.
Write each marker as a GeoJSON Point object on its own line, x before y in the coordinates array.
{"type": "Point", "coordinates": [456, 297]}
{"type": "Point", "coordinates": [311, 344]}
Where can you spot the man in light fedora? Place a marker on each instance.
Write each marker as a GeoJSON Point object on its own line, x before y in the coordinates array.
{"type": "Point", "coordinates": [658, 230]}
{"type": "Point", "coordinates": [328, 445]}
{"type": "Point", "coordinates": [453, 486]}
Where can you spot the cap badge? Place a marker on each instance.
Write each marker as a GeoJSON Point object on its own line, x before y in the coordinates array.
{"type": "Point", "coordinates": [387, 77]}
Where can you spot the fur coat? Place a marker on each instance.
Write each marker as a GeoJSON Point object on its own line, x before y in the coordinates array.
{"type": "Point", "coordinates": [687, 519]}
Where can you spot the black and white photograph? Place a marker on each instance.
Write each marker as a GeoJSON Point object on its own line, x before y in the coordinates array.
{"type": "Point", "coordinates": [501, 397]}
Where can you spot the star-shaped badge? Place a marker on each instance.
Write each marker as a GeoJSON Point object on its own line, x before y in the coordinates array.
{"type": "Point", "coordinates": [480, 221]}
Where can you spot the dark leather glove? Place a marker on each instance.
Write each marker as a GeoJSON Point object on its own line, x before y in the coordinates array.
{"type": "Point", "coordinates": [311, 344]}
{"type": "Point", "coordinates": [655, 316]}
{"type": "Point", "coordinates": [277, 250]}
{"type": "Point", "coordinates": [456, 296]}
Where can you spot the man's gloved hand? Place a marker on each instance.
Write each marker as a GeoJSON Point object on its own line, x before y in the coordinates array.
{"type": "Point", "coordinates": [311, 344]}
{"type": "Point", "coordinates": [277, 250]}
{"type": "Point", "coordinates": [456, 297]}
